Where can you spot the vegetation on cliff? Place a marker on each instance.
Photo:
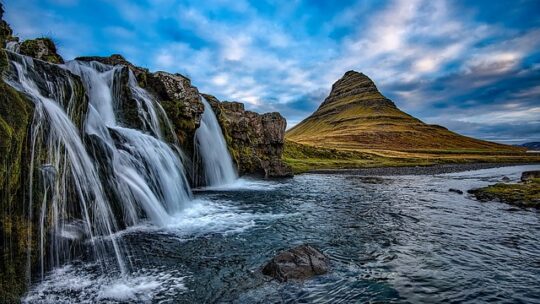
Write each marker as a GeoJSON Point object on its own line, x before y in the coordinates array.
{"type": "Point", "coordinates": [42, 49]}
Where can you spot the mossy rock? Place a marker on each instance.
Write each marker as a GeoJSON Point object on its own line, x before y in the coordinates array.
{"type": "Point", "coordinates": [15, 118]}
{"type": "Point", "coordinates": [521, 194]}
{"type": "Point", "coordinates": [42, 49]}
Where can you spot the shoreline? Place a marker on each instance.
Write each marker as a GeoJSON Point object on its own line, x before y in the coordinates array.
{"type": "Point", "coordinates": [416, 170]}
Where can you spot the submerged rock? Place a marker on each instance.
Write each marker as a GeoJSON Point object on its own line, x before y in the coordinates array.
{"type": "Point", "coordinates": [299, 263]}
{"type": "Point", "coordinates": [455, 191]}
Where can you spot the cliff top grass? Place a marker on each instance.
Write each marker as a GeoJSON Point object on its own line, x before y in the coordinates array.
{"type": "Point", "coordinates": [521, 194]}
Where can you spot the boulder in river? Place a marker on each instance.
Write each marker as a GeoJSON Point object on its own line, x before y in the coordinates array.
{"type": "Point", "coordinates": [298, 263]}
{"type": "Point", "coordinates": [455, 191]}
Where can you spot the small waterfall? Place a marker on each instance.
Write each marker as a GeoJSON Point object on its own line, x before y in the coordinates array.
{"type": "Point", "coordinates": [91, 172]}
{"type": "Point", "coordinates": [211, 150]}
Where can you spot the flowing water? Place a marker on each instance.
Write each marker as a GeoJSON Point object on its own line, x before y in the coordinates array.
{"type": "Point", "coordinates": [82, 148]}
{"type": "Point", "coordinates": [211, 151]}
{"type": "Point", "coordinates": [402, 239]}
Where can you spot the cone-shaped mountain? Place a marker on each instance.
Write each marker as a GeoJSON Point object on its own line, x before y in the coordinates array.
{"type": "Point", "coordinates": [357, 116]}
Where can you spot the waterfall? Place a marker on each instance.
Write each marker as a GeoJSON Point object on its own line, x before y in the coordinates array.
{"type": "Point", "coordinates": [92, 171]}
{"type": "Point", "coordinates": [146, 171]}
{"type": "Point", "coordinates": [211, 150]}
{"type": "Point", "coordinates": [73, 198]}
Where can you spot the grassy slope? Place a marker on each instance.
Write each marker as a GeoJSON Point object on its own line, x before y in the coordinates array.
{"type": "Point", "coordinates": [303, 158]}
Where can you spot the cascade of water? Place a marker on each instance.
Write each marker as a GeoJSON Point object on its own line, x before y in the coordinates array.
{"type": "Point", "coordinates": [73, 162]}
{"type": "Point", "coordinates": [13, 46]}
{"type": "Point", "coordinates": [146, 172]}
{"type": "Point", "coordinates": [211, 150]}
{"type": "Point", "coordinates": [69, 175]}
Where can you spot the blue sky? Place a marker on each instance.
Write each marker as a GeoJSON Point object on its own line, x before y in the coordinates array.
{"type": "Point", "coordinates": [472, 66]}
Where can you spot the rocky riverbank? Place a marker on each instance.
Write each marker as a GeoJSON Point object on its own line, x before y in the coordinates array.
{"type": "Point", "coordinates": [415, 170]}
{"type": "Point", "coordinates": [525, 194]}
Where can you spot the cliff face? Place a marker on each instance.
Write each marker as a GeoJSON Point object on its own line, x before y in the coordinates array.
{"type": "Point", "coordinates": [15, 118]}
{"type": "Point", "coordinates": [355, 115]}
{"type": "Point", "coordinates": [255, 140]}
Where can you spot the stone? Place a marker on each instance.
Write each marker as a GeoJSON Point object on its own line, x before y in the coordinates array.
{"type": "Point", "coordinates": [455, 191]}
{"type": "Point", "coordinates": [505, 179]}
{"type": "Point", "coordinates": [299, 263]}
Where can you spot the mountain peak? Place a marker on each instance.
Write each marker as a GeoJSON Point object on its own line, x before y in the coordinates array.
{"type": "Point", "coordinates": [355, 87]}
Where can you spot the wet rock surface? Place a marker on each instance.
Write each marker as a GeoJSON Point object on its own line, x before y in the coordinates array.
{"type": "Point", "coordinates": [299, 263]}
{"type": "Point", "coordinates": [255, 140]}
{"type": "Point", "coordinates": [455, 191]}
{"type": "Point", "coordinates": [528, 176]}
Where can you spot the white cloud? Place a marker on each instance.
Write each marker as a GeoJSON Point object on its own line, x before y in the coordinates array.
{"type": "Point", "coordinates": [499, 117]}
{"type": "Point", "coordinates": [220, 79]}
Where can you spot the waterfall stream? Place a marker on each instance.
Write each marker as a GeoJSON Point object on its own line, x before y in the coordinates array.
{"type": "Point", "coordinates": [92, 172]}
{"type": "Point", "coordinates": [211, 150]}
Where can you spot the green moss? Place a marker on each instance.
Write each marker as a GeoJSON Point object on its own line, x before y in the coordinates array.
{"type": "Point", "coordinates": [15, 115]}
{"type": "Point", "coordinates": [304, 158]}
{"type": "Point", "coordinates": [41, 48]}
{"type": "Point", "coordinates": [520, 194]}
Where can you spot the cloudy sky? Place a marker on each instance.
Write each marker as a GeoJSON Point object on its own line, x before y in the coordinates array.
{"type": "Point", "coordinates": [472, 66]}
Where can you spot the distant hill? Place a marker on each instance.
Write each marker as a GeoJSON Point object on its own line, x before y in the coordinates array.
{"type": "Point", "coordinates": [356, 116]}
{"type": "Point", "coordinates": [535, 145]}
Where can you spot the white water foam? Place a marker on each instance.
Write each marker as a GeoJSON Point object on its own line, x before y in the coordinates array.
{"type": "Point", "coordinates": [244, 183]}
{"type": "Point", "coordinates": [76, 284]}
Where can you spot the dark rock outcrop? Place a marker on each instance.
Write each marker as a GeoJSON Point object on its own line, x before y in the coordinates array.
{"type": "Point", "coordinates": [255, 140]}
{"type": "Point", "coordinates": [528, 176]}
{"type": "Point", "coordinates": [6, 34]}
{"type": "Point", "coordinates": [181, 101]}
{"type": "Point", "coordinates": [525, 194]}
{"type": "Point", "coordinates": [299, 263]}
{"type": "Point", "coordinates": [455, 191]}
